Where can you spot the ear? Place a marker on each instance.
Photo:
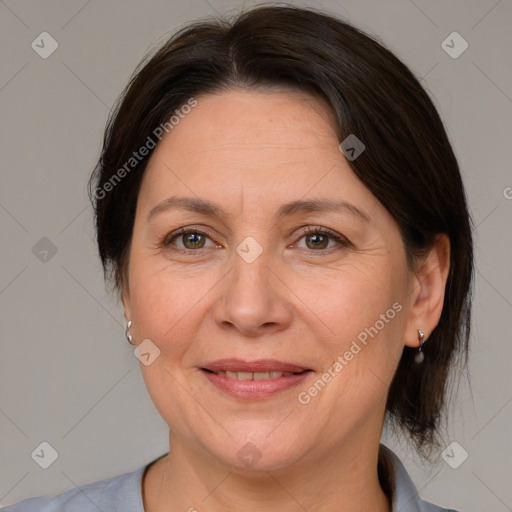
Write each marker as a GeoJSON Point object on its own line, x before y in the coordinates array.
{"type": "Point", "coordinates": [426, 290]}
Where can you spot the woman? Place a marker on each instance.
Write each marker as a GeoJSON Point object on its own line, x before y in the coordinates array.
{"type": "Point", "coordinates": [280, 210]}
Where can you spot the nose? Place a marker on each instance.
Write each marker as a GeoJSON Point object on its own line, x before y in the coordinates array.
{"type": "Point", "coordinates": [255, 297]}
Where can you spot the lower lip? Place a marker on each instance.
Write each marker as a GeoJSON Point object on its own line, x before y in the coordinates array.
{"type": "Point", "coordinates": [254, 389]}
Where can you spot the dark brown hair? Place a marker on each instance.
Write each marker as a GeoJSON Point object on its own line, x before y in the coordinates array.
{"type": "Point", "coordinates": [408, 163]}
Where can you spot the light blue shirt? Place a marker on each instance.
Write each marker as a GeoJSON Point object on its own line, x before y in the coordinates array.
{"type": "Point", "coordinates": [123, 493]}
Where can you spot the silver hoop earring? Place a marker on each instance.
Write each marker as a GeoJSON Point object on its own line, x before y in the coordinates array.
{"type": "Point", "coordinates": [420, 356]}
{"type": "Point", "coordinates": [127, 332]}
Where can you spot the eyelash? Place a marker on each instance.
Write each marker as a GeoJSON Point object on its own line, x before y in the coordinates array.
{"type": "Point", "coordinates": [167, 240]}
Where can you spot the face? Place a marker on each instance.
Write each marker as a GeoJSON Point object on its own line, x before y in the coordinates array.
{"type": "Point", "coordinates": [322, 293]}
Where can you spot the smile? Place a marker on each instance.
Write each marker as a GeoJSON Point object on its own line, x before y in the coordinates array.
{"type": "Point", "coordinates": [245, 385]}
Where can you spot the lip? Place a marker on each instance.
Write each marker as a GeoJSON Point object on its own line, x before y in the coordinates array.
{"type": "Point", "coordinates": [261, 365]}
{"type": "Point", "coordinates": [254, 389]}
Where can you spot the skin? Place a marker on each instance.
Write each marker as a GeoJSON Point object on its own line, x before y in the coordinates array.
{"type": "Point", "coordinates": [250, 152]}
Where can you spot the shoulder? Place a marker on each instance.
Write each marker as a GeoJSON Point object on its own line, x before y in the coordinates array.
{"type": "Point", "coordinates": [404, 495]}
{"type": "Point", "coordinates": [115, 494]}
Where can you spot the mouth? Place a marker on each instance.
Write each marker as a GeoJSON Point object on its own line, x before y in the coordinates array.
{"type": "Point", "coordinates": [253, 380]}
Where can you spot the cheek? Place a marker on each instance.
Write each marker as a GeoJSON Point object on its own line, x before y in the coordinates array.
{"type": "Point", "coordinates": [169, 307]}
{"type": "Point", "coordinates": [167, 310]}
{"type": "Point", "coordinates": [365, 310]}
{"type": "Point", "coordinates": [360, 298]}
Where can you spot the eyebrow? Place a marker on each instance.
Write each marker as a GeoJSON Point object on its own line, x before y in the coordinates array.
{"type": "Point", "coordinates": [209, 209]}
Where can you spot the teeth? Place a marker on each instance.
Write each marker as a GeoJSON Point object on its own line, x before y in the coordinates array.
{"type": "Point", "coordinates": [253, 376]}
{"type": "Point", "coordinates": [264, 375]}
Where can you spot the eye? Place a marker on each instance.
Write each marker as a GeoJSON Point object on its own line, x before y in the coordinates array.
{"type": "Point", "coordinates": [193, 240]}
{"type": "Point", "coordinates": [318, 238]}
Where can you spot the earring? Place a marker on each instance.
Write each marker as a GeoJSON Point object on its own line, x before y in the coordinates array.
{"type": "Point", "coordinates": [127, 332]}
{"type": "Point", "coordinates": [419, 356]}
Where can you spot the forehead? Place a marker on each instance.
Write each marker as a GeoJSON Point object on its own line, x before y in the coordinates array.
{"type": "Point", "coordinates": [252, 147]}
{"type": "Point", "coordinates": [236, 124]}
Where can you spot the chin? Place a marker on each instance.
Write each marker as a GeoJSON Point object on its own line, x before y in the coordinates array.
{"type": "Point", "coordinates": [257, 453]}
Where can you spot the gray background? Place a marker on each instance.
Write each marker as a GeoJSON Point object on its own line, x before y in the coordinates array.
{"type": "Point", "coordinates": [67, 375]}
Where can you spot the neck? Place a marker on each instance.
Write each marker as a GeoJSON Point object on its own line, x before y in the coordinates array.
{"type": "Point", "coordinates": [186, 480]}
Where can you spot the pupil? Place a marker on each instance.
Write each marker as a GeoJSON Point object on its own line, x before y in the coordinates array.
{"type": "Point", "coordinates": [317, 237]}
{"type": "Point", "coordinates": [194, 239]}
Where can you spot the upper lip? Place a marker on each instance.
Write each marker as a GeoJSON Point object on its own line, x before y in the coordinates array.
{"type": "Point", "coordinates": [261, 365]}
